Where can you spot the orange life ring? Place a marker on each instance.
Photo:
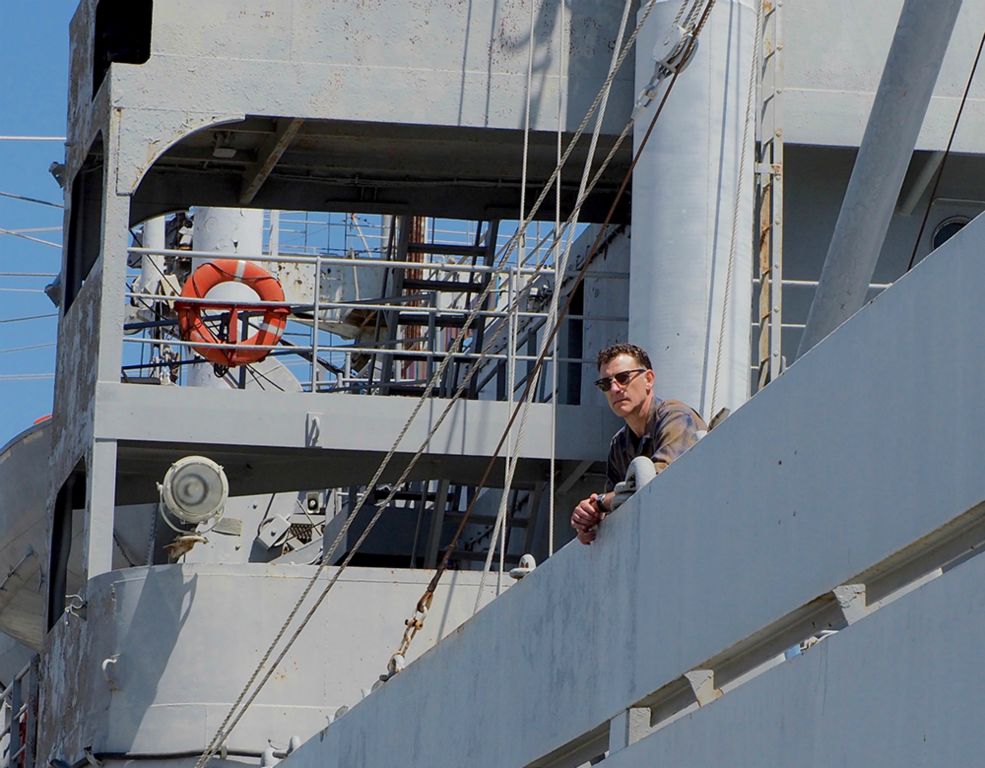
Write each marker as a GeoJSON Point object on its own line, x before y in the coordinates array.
{"type": "Point", "coordinates": [193, 327]}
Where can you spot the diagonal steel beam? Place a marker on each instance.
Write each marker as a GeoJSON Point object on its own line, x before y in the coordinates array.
{"type": "Point", "coordinates": [268, 154]}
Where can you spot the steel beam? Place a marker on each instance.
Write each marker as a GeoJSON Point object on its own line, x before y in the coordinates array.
{"type": "Point", "coordinates": [267, 156]}
{"type": "Point", "coordinates": [914, 61]}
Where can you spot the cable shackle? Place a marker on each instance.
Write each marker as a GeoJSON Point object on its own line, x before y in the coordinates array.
{"type": "Point", "coordinates": [413, 625]}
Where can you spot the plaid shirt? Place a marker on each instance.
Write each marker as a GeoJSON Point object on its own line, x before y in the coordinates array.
{"type": "Point", "coordinates": [672, 428]}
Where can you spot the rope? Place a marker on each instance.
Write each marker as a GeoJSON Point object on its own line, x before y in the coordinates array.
{"type": "Point", "coordinates": [557, 226]}
{"type": "Point", "coordinates": [947, 152]}
{"type": "Point", "coordinates": [232, 718]}
{"type": "Point", "coordinates": [522, 258]}
{"type": "Point", "coordinates": [25, 199]}
{"type": "Point", "coordinates": [28, 317]}
{"type": "Point", "coordinates": [526, 134]}
{"type": "Point", "coordinates": [552, 316]}
{"type": "Point", "coordinates": [15, 233]}
{"type": "Point", "coordinates": [425, 600]}
{"type": "Point", "coordinates": [230, 721]}
{"type": "Point", "coordinates": [735, 213]}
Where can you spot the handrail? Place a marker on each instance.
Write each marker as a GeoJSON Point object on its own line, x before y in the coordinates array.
{"type": "Point", "coordinates": [21, 696]}
{"type": "Point", "coordinates": [377, 263]}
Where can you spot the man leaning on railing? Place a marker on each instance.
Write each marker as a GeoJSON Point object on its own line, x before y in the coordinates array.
{"type": "Point", "coordinates": [660, 429]}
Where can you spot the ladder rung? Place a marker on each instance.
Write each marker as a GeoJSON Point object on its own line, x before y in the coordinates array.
{"type": "Point", "coordinates": [446, 249]}
{"type": "Point", "coordinates": [487, 519]}
{"type": "Point", "coordinates": [448, 286]}
{"type": "Point", "coordinates": [424, 318]}
{"type": "Point", "coordinates": [480, 556]}
{"type": "Point", "coordinates": [397, 388]}
{"type": "Point", "coordinates": [414, 495]}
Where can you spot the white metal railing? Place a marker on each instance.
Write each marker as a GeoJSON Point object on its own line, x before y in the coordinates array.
{"type": "Point", "coordinates": [508, 280]}
{"type": "Point", "coordinates": [19, 702]}
{"type": "Point", "coordinates": [813, 284]}
{"type": "Point", "coordinates": [373, 263]}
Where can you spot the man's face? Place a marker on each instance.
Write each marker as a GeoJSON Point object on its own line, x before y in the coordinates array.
{"type": "Point", "coordinates": [629, 398]}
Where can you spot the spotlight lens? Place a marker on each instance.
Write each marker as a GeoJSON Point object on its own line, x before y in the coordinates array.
{"type": "Point", "coordinates": [195, 489]}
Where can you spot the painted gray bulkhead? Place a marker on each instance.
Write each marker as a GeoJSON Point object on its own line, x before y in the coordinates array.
{"type": "Point", "coordinates": [175, 643]}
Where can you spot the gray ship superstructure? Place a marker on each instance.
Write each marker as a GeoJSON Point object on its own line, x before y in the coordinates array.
{"type": "Point", "coordinates": [275, 511]}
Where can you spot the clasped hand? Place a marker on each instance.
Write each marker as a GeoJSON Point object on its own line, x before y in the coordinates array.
{"type": "Point", "coordinates": [585, 520]}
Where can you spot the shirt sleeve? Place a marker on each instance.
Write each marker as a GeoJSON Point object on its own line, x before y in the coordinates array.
{"type": "Point", "coordinates": [676, 431]}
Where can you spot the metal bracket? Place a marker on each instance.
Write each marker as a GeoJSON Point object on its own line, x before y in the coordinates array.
{"type": "Point", "coordinates": [628, 727]}
{"type": "Point", "coordinates": [312, 430]}
{"type": "Point", "coordinates": [702, 683]}
{"type": "Point", "coordinates": [75, 605]}
{"type": "Point", "coordinates": [768, 170]}
{"type": "Point", "coordinates": [851, 600]}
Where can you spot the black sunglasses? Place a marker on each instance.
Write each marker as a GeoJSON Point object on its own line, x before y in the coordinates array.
{"type": "Point", "coordinates": [623, 377]}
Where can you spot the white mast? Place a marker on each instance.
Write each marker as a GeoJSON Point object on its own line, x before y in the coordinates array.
{"type": "Point", "coordinates": [684, 199]}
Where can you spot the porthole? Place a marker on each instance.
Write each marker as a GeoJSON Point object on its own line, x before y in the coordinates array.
{"type": "Point", "coordinates": [946, 230]}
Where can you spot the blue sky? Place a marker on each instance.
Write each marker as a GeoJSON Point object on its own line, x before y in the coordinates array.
{"type": "Point", "coordinates": [33, 81]}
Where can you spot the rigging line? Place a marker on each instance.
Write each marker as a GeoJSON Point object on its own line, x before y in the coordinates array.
{"type": "Point", "coordinates": [32, 138]}
{"type": "Point", "coordinates": [257, 375]}
{"type": "Point", "coordinates": [222, 733]}
{"type": "Point", "coordinates": [521, 252]}
{"type": "Point", "coordinates": [557, 226]}
{"type": "Point", "coordinates": [26, 376]}
{"type": "Point", "coordinates": [29, 346]}
{"type": "Point", "coordinates": [680, 13]}
{"type": "Point", "coordinates": [232, 717]}
{"type": "Point", "coordinates": [230, 722]}
{"type": "Point", "coordinates": [947, 152]}
{"type": "Point", "coordinates": [522, 255]}
{"type": "Point", "coordinates": [692, 14]}
{"type": "Point", "coordinates": [511, 444]}
{"type": "Point", "coordinates": [21, 290]}
{"type": "Point", "coordinates": [28, 274]}
{"type": "Point", "coordinates": [26, 199]}
{"type": "Point", "coordinates": [15, 233]}
{"type": "Point", "coordinates": [555, 174]}
{"type": "Point", "coordinates": [625, 51]}
{"type": "Point", "coordinates": [533, 377]}
{"type": "Point", "coordinates": [754, 65]}
{"type": "Point", "coordinates": [35, 230]}
{"type": "Point", "coordinates": [581, 274]}
{"type": "Point", "coordinates": [226, 727]}
{"type": "Point", "coordinates": [28, 317]}
{"type": "Point", "coordinates": [560, 267]}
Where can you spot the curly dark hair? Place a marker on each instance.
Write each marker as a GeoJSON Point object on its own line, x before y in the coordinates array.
{"type": "Point", "coordinates": [613, 350]}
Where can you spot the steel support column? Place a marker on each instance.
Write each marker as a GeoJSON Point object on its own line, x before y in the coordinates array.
{"type": "Point", "coordinates": [912, 66]}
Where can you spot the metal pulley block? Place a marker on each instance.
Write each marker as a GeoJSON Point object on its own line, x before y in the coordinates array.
{"type": "Point", "coordinates": [671, 54]}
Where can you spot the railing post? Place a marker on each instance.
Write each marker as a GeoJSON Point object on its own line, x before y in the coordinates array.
{"type": "Point", "coordinates": [628, 727]}
{"type": "Point", "coordinates": [31, 712]}
{"type": "Point", "coordinates": [16, 702]}
{"type": "Point", "coordinates": [314, 325]}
